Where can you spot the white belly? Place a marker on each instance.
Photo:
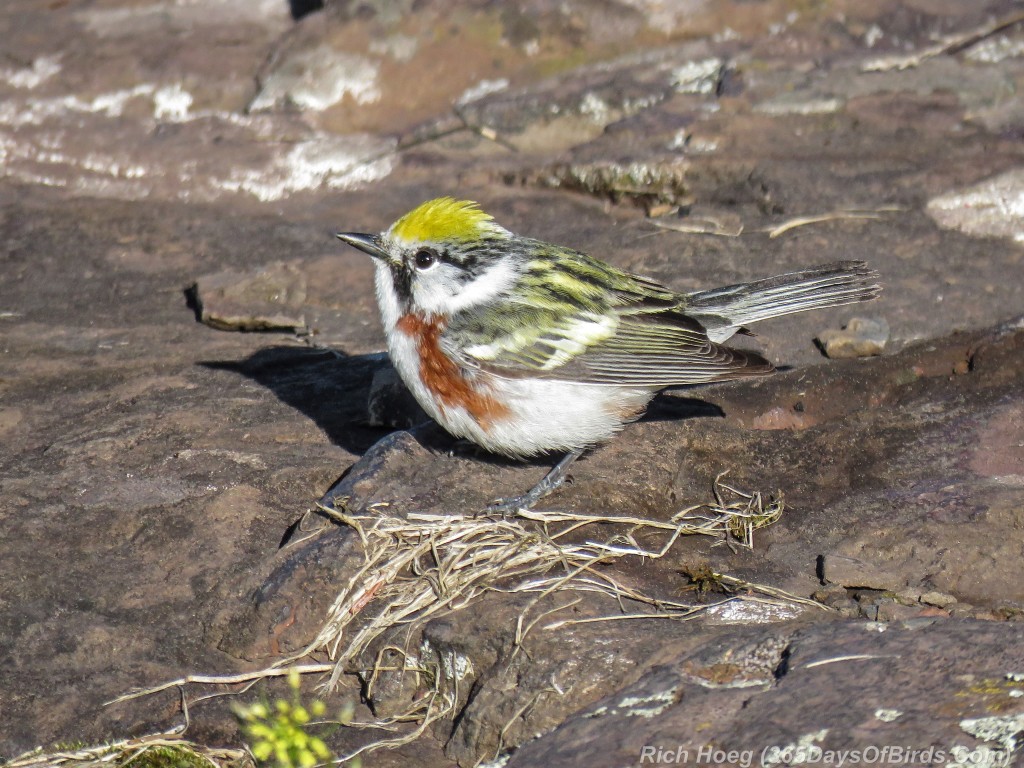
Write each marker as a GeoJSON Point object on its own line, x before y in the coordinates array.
{"type": "Point", "coordinates": [551, 415]}
{"type": "Point", "coordinates": [542, 414]}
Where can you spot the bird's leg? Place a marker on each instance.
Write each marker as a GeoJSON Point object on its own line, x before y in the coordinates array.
{"type": "Point", "coordinates": [463, 447]}
{"type": "Point", "coordinates": [551, 482]}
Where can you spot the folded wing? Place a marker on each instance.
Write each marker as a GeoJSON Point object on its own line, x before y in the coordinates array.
{"type": "Point", "coordinates": [635, 332]}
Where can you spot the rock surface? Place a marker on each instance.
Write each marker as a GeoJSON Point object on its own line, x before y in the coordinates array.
{"type": "Point", "coordinates": [156, 474]}
{"type": "Point", "coordinates": [862, 337]}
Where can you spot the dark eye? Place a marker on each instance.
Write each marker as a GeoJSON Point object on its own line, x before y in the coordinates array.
{"type": "Point", "coordinates": [424, 259]}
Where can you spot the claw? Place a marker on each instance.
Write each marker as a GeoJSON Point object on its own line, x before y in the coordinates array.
{"type": "Point", "coordinates": [552, 481]}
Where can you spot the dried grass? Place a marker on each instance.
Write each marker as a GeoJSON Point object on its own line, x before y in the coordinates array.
{"type": "Point", "coordinates": [417, 565]}
{"type": "Point", "coordinates": [803, 221]}
{"type": "Point", "coordinates": [168, 748]}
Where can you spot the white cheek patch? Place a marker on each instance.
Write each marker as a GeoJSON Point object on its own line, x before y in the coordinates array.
{"type": "Point", "coordinates": [432, 290]}
{"type": "Point", "coordinates": [497, 279]}
{"type": "Point", "coordinates": [439, 291]}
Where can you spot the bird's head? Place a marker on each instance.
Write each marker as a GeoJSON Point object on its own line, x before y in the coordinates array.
{"type": "Point", "coordinates": [442, 257]}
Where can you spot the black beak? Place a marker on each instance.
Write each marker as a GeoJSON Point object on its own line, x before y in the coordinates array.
{"type": "Point", "coordinates": [366, 243]}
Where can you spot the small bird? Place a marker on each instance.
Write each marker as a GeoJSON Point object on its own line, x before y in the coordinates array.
{"type": "Point", "coordinates": [525, 347]}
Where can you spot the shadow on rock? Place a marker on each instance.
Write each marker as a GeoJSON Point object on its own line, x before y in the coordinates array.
{"type": "Point", "coordinates": [300, 8]}
{"type": "Point", "coordinates": [329, 387]}
{"type": "Point", "coordinates": [674, 407]}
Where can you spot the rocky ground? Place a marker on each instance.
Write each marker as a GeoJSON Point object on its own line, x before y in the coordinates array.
{"type": "Point", "coordinates": [168, 161]}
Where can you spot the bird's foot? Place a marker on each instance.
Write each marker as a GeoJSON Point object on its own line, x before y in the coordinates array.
{"type": "Point", "coordinates": [552, 481]}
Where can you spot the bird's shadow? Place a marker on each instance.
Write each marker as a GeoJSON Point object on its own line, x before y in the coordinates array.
{"type": "Point", "coordinates": [333, 390]}
{"type": "Point", "coordinates": [300, 8]}
{"type": "Point", "coordinates": [665, 407]}
{"type": "Point", "coordinates": [328, 386]}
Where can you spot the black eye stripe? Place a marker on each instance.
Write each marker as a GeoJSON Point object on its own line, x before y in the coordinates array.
{"type": "Point", "coordinates": [470, 262]}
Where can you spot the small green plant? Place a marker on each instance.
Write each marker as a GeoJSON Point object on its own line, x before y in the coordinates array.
{"type": "Point", "coordinates": [277, 735]}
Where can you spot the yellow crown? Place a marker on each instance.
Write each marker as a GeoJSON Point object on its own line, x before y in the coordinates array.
{"type": "Point", "coordinates": [442, 220]}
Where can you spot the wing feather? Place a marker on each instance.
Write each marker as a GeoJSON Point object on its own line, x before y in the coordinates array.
{"type": "Point", "coordinates": [634, 332]}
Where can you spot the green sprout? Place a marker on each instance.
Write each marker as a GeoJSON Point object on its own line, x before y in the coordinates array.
{"type": "Point", "coordinates": [278, 735]}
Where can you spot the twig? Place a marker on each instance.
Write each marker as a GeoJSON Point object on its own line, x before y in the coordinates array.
{"type": "Point", "coordinates": [802, 221]}
{"type": "Point", "coordinates": [244, 677]}
{"type": "Point", "coordinates": [700, 226]}
{"type": "Point", "coordinates": [851, 657]}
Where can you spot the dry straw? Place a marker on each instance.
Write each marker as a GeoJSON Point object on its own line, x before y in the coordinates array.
{"type": "Point", "coordinates": [162, 748]}
{"type": "Point", "coordinates": [418, 565]}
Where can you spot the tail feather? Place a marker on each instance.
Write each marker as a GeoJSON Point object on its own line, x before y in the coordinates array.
{"type": "Point", "coordinates": [723, 311]}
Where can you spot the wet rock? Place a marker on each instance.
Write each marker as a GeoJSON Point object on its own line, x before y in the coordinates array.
{"type": "Point", "coordinates": [861, 337]}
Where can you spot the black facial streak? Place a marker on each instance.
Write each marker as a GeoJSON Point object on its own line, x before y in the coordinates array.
{"type": "Point", "coordinates": [402, 278]}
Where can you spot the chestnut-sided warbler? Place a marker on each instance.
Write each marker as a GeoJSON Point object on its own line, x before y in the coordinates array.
{"type": "Point", "coordinates": [525, 347]}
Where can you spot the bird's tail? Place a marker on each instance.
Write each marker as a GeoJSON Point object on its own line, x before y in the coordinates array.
{"type": "Point", "coordinates": [724, 311]}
